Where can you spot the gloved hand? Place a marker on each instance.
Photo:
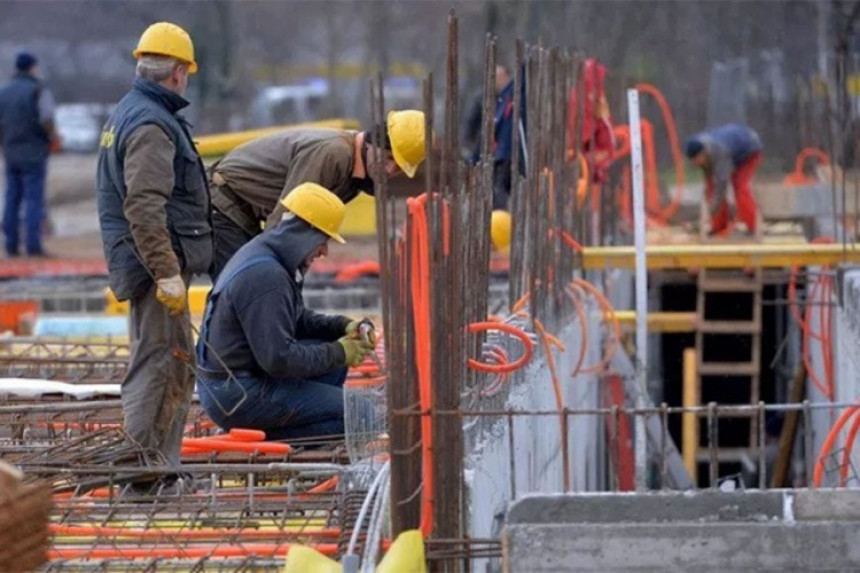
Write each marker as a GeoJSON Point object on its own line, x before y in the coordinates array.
{"type": "Point", "coordinates": [355, 350]}
{"type": "Point", "coordinates": [357, 328]}
{"type": "Point", "coordinates": [171, 293]}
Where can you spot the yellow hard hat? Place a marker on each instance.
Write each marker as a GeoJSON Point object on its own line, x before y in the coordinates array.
{"type": "Point", "coordinates": [500, 230]}
{"type": "Point", "coordinates": [318, 207]}
{"type": "Point", "coordinates": [406, 132]}
{"type": "Point", "coordinates": [166, 39]}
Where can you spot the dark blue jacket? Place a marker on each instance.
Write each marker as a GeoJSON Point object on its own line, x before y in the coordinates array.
{"type": "Point", "coordinates": [255, 313]}
{"type": "Point", "coordinates": [188, 211]}
{"type": "Point", "coordinates": [503, 124]}
{"type": "Point", "coordinates": [739, 141]}
{"type": "Point", "coordinates": [24, 140]}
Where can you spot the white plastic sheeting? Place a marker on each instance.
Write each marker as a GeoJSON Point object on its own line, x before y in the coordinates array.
{"type": "Point", "coordinates": [35, 388]}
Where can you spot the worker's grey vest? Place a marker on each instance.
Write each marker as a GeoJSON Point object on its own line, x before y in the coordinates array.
{"type": "Point", "coordinates": [25, 141]}
{"type": "Point", "coordinates": [187, 210]}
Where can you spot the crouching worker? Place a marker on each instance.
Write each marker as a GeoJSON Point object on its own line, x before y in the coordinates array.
{"type": "Point", "coordinates": [288, 363]}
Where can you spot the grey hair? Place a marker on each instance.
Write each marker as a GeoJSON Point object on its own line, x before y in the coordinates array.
{"type": "Point", "coordinates": [155, 67]}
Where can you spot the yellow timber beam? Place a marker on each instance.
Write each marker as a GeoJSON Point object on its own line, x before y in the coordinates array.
{"type": "Point", "coordinates": [221, 143]}
{"type": "Point", "coordinates": [690, 423]}
{"type": "Point", "coordinates": [725, 256]}
{"type": "Point", "coordinates": [658, 321]}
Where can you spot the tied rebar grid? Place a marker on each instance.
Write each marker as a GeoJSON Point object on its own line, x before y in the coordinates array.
{"type": "Point", "coordinates": [67, 361]}
{"type": "Point", "coordinates": [747, 467]}
{"type": "Point", "coordinates": [458, 210]}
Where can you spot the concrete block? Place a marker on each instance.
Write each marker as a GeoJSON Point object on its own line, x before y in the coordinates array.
{"type": "Point", "coordinates": [701, 547]}
{"type": "Point", "coordinates": [827, 505]}
{"type": "Point", "coordinates": [737, 506]}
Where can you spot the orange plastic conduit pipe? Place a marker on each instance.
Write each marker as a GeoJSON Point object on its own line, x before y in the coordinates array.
{"type": "Point", "coordinates": [667, 212]}
{"type": "Point", "coordinates": [420, 271]}
{"type": "Point", "coordinates": [528, 348]}
{"type": "Point", "coordinates": [244, 550]}
{"type": "Point", "coordinates": [818, 474]}
{"type": "Point", "coordinates": [846, 451]}
{"type": "Point", "coordinates": [607, 308]}
{"type": "Point", "coordinates": [188, 534]}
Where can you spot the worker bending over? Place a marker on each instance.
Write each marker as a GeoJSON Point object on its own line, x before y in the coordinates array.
{"type": "Point", "coordinates": [733, 152]}
{"type": "Point", "coordinates": [289, 362]}
{"type": "Point", "coordinates": [248, 182]}
{"type": "Point", "coordinates": [153, 208]}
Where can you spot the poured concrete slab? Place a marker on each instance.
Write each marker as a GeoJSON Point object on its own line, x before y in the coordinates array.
{"type": "Point", "coordinates": [779, 530]}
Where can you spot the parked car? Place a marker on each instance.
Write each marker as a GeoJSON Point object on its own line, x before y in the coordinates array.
{"type": "Point", "coordinates": [79, 125]}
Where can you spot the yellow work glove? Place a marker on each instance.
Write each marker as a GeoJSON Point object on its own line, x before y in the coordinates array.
{"type": "Point", "coordinates": [355, 350]}
{"type": "Point", "coordinates": [171, 293]}
{"type": "Point", "coordinates": [363, 329]}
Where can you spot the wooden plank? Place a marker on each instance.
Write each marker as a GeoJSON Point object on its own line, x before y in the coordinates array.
{"type": "Point", "coordinates": [789, 429]}
{"type": "Point", "coordinates": [729, 327]}
{"type": "Point", "coordinates": [729, 369]}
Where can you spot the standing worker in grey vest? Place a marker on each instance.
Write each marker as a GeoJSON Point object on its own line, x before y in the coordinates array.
{"type": "Point", "coordinates": [154, 212]}
{"type": "Point", "coordinates": [27, 135]}
{"type": "Point", "coordinates": [249, 182]}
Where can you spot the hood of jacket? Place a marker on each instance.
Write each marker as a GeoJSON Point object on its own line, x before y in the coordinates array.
{"type": "Point", "coordinates": [291, 241]}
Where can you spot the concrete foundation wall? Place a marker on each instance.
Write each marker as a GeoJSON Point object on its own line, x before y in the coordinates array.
{"type": "Point", "coordinates": [496, 474]}
{"type": "Point", "coordinates": [846, 349]}
{"type": "Point", "coordinates": [781, 530]}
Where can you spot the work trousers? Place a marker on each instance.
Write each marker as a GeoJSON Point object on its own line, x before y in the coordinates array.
{"type": "Point", "coordinates": [229, 238]}
{"type": "Point", "coordinates": [283, 408]}
{"type": "Point", "coordinates": [744, 198]}
{"type": "Point", "coordinates": [25, 187]}
{"type": "Point", "coordinates": [157, 390]}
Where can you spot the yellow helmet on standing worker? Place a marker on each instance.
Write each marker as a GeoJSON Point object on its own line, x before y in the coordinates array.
{"type": "Point", "coordinates": [318, 207]}
{"type": "Point", "coordinates": [166, 39]}
{"type": "Point", "coordinates": [406, 132]}
{"type": "Point", "coordinates": [500, 230]}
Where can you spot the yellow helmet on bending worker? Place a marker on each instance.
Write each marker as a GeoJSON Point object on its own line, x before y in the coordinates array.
{"type": "Point", "coordinates": [167, 39]}
{"type": "Point", "coordinates": [407, 134]}
{"type": "Point", "coordinates": [318, 207]}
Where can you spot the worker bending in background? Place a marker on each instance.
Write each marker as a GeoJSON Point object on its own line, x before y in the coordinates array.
{"type": "Point", "coordinates": [153, 206]}
{"type": "Point", "coordinates": [249, 182]}
{"type": "Point", "coordinates": [727, 152]}
{"type": "Point", "coordinates": [288, 363]}
{"type": "Point", "coordinates": [27, 136]}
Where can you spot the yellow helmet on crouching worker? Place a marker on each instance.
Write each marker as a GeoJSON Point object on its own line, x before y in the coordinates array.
{"type": "Point", "coordinates": [166, 39]}
{"type": "Point", "coordinates": [500, 230]}
{"type": "Point", "coordinates": [318, 207]}
{"type": "Point", "coordinates": [406, 132]}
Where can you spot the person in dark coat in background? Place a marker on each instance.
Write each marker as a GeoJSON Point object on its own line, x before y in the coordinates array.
{"type": "Point", "coordinates": [27, 136]}
{"type": "Point", "coordinates": [264, 361]}
{"type": "Point", "coordinates": [729, 152]}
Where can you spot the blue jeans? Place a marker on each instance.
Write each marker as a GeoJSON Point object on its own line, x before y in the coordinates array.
{"type": "Point", "coordinates": [25, 184]}
{"type": "Point", "coordinates": [284, 409]}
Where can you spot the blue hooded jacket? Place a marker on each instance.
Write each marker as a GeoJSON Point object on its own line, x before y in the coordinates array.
{"type": "Point", "coordinates": [255, 313]}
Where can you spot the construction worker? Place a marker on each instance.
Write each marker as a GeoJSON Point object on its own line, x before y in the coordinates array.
{"type": "Point", "coordinates": [153, 205]}
{"type": "Point", "coordinates": [727, 152]}
{"type": "Point", "coordinates": [27, 135]}
{"type": "Point", "coordinates": [473, 126]}
{"type": "Point", "coordinates": [264, 361]}
{"type": "Point", "coordinates": [249, 182]}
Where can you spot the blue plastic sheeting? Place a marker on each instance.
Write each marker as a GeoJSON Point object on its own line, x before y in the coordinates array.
{"type": "Point", "coordinates": [81, 326]}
